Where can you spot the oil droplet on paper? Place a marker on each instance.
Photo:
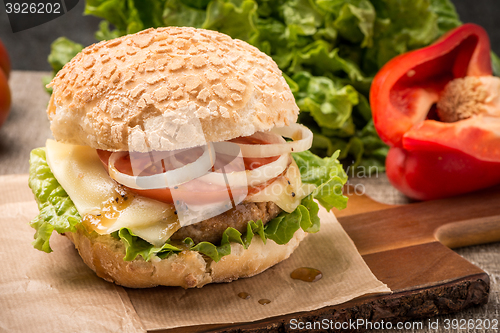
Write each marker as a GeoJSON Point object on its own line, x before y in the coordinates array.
{"type": "Point", "coordinates": [244, 295]}
{"type": "Point", "coordinates": [264, 301]}
{"type": "Point", "coordinates": [306, 274]}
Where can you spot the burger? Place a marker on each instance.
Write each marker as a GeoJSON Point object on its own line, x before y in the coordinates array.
{"type": "Point", "coordinates": [177, 161]}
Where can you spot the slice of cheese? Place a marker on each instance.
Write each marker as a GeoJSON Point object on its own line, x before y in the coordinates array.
{"type": "Point", "coordinates": [101, 202]}
{"type": "Point", "coordinates": [286, 191]}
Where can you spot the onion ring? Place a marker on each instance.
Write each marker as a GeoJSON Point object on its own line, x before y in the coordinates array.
{"type": "Point", "coordinates": [301, 135]}
{"type": "Point", "coordinates": [253, 177]}
{"type": "Point", "coordinates": [170, 178]}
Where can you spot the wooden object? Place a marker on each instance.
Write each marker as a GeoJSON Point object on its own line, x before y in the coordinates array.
{"type": "Point", "coordinates": [407, 247]}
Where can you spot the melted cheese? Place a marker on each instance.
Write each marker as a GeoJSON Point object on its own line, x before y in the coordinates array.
{"type": "Point", "coordinates": [286, 192]}
{"type": "Point", "coordinates": [99, 199]}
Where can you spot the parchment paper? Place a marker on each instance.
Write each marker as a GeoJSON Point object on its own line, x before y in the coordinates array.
{"type": "Point", "coordinates": [57, 292]}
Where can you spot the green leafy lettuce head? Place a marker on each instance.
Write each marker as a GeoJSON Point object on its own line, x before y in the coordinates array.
{"type": "Point", "coordinates": [122, 103]}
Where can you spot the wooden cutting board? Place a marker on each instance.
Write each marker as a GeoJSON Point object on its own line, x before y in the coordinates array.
{"type": "Point", "coordinates": [408, 248]}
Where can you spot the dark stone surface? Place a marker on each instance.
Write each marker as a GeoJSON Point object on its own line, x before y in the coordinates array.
{"type": "Point", "coordinates": [29, 48]}
{"type": "Point", "coordinates": [485, 13]}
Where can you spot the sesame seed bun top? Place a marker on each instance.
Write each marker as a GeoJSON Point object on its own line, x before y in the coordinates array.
{"type": "Point", "coordinates": [165, 89]}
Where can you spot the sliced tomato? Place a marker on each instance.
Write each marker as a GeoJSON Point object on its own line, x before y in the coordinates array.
{"type": "Point", "coordinates": [4, 60]}
{"type": "Point", "coordinates": [195, 191]}
{"type": "Point", "coordinates": [5, 98]}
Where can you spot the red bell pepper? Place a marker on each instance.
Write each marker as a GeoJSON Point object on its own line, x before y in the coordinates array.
{"type": "Point", "coordinates": [5, 97]}
{"type": "Point", "coordinates": [439, 109]}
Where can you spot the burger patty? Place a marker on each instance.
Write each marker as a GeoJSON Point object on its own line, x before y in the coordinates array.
{"type": "Point", "coordinates": [211, 230]}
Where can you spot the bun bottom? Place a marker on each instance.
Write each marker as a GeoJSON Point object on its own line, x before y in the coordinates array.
{"type": "Point", "coordinates": [188, 269]}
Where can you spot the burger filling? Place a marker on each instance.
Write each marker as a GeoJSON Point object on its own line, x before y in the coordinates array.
{"type": "Point", "coordinates": [266, 189]}
{"type": "Point", "coordinates": [211, 230]}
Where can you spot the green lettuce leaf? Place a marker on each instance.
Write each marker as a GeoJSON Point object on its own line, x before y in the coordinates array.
{"type": "Point", "coordinates": [355, 20]}
{"type": "Point", "coordinates": [328, 176]}
{"type": "Point", "coordinates": [406, 25]}
{"type": "Point", "coordinates": [301, 17]}
{"type": "Point", "coordinates": [495, 64]}
{"type": "Point", "coordinates": [135, 246]}
{"type": "Point", "coordinates": [57, 211]}
{"type": "Point", "coordinates": [310, 222]}
{"type": "Point", "coordinates": [230, 235]}
{"type": "Point", "coordinates": [62, 50]}
{"type": "Point", "coordinates": [232, 17]}
{"type": "Point", "coordinates": [447, 17]}
{"type": "Point", "coordinates": [105, 32]}
{"type": "Point", "coordinates": [318, 171]}
{"type": "Point", "coordinates": [182, 14]}
{"type": "Point", "coordinates": [127, 16]}
{"type": "Point", "coordinates": [282, 228]}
